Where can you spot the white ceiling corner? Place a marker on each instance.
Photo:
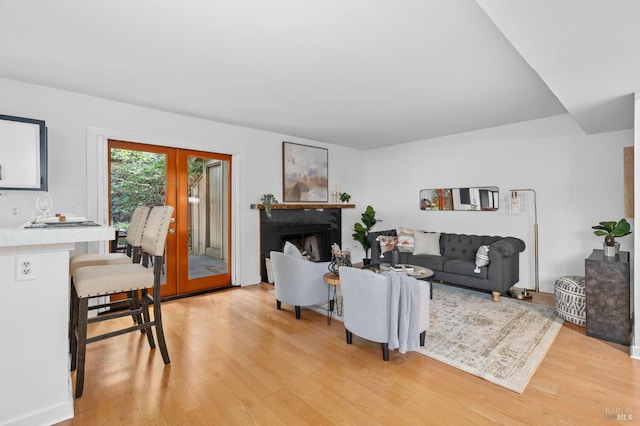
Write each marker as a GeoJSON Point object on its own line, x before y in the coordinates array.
{"type": "Point", "coordinates": [355, 73]}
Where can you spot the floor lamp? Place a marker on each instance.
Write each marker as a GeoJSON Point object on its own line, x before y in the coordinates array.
{"type": "Point", "coordinates": [524, 294]}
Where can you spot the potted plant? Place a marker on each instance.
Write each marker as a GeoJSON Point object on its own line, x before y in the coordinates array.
{"type": "Point", "coordinates": [361, 230]}
{"type": "Point", "coordinates": [267, 201]}
{"type": "Point", "coordinates": [344, 197]}
{"type": "Point", "coordinates": [611, 230]}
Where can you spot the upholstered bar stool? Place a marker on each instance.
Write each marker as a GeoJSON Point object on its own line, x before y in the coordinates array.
{"type": "Point", "coordinates": [108, 280]}
{"type": "Point", "coordinates": [131, 254]}
{"type": "Point", "coordinates": [134, 240]}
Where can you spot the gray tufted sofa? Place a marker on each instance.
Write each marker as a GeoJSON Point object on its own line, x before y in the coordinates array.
{"type": "Point", "coordinates": [456, 262]}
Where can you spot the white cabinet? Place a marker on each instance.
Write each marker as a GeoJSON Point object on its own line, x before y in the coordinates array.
{"type": "Point", "coordinates": [23, 153]}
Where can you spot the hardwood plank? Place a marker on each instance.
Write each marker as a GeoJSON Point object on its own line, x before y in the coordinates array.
{"type": "Point", "coordinates": [238, 360]}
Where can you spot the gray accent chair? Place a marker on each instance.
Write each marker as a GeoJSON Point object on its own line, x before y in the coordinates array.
{"type": "Point", "coordinates": [367, 310]}
{"type": "Point", "coordinates": [298, 282]}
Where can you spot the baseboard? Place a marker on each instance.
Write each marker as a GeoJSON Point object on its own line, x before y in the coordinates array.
{"type": "Point", "coordinates": [48, 416]}
{"type": "Point", "coordinates": [634, 352]}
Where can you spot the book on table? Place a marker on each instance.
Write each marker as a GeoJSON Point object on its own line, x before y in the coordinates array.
{"type": "Point", "coordinates": [402, 268]}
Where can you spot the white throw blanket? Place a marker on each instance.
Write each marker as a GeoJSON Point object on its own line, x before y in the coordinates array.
{"type": "Point", "coordinates": [404, 309]}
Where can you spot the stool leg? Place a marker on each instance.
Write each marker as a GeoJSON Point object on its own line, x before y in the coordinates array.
{"type": "Point", "coordinates": [146, 317]}
{"type": "Point", "coordinates": [73, 329]}
{"type": "Point", "coordinates": [157, 314]}
{"type": "Point", "coordinates": [83, 307]}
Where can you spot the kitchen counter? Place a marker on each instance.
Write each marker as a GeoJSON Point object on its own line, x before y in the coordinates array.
{"type": "Point", "coordinates": [21, 236]}
{"type": "Point", "coordinates": [36, 386]}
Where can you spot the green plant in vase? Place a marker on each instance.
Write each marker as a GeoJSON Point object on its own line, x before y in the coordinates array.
{"type": "Point", "coordinates": [267, 201]}
{"type": "Point", "coordinates": [361, 230]}
{"type": "Point", "coordinates": [344, 197]}
{"type": "Point", "coordinates": [611, 230]}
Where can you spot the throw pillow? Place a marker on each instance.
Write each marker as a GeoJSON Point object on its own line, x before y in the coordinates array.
{"type": "Point", "coordinates": [387, 243]}
{"type": "Point", "coordinates": [292, 250]}
{"type": "Point", "coordinates": [427, 243]}
{"type": "Point", "coordinates": [406, 241]}
{"type": "Point", "coordinates": [482, 258]}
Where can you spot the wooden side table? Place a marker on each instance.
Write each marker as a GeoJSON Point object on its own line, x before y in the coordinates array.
{"type": "Point", "coordinates": [332, 297]}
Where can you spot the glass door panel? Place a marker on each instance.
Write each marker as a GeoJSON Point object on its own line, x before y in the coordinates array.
{"type": "Point", "coordinates": [205, 242]}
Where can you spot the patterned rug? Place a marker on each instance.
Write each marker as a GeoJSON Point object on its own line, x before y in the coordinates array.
{"type": "Point", "coordinates": [501, 342]}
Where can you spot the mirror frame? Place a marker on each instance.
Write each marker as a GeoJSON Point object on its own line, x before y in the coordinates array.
{"type": "Point", "coordinates": [41, 166]}
{"type": "Point", "coordinates": [474, 198]}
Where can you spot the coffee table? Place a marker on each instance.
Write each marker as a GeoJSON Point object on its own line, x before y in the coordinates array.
{"type": "Point", "coordinates": [419, 272]}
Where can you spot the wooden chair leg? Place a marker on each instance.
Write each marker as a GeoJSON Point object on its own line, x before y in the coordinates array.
{"type": "Point", "coordinates": [146, 318]}
{"type": "Point", "coordinates": [134, 303]}
{"type": "Point", "coordinates": [83, 308]}
{"type": "Point", "coordinates": [157, 315]}
{"type": "Point", "coordinates": [349, 337]}
{"type": "Point", "coordinates": [385, 351]}
{"type": "Point", "coordinates": [423, 336]}
{"type": "Point", "coordinates": [297, 312]}
{"type": "Point", "coordinates": [73, 329]}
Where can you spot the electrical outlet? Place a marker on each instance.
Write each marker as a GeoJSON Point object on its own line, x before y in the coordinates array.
{"type": "Point", "coordinates": [25, 268]}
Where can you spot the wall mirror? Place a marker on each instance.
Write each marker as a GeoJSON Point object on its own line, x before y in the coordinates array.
{"type": "Point", "coordinates": [23, 153]}
{"type": "Point", "coordinates": [477, 198]}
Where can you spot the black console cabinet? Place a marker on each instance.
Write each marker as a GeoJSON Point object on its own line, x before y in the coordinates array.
{"type": "Point", "coordinates": [608, 287]}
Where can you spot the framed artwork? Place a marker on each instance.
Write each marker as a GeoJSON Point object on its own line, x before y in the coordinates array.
{"type": "Point", "coordinates": [304, 173]}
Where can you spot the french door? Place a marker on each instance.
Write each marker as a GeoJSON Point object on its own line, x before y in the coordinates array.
{"type": "Point", "coordinates": [197, 184]}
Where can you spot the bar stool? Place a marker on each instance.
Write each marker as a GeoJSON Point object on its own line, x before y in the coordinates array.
{"type": "Point", "coordinates": [132, 250]}
{"type": "Point", "coordinates": [131, 254]}
{"type": "Point", "coordinates": [107, 280]}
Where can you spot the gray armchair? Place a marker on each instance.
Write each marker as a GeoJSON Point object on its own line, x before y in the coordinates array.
{"type": "Point", "coordinates": [376, 311]}
{"type": "Point", "coordinates": [298, 282]}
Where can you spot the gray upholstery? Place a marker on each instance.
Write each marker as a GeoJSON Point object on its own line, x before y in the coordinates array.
{"type": "Point", "coordinates": [370, 310]}
{"type": "Point", "coordinates": [298, 282]}
{"type": "Point", "coordinates": [456, 262]}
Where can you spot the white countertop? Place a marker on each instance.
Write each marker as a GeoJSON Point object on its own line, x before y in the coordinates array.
{"type": "Point", "coordinates": [21, 236]}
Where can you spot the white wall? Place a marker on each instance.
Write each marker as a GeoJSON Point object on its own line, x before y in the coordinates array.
{"type": "Point", "coordinates": [73, 120]}
{"type": "Point", "coordinates": [578, 180]}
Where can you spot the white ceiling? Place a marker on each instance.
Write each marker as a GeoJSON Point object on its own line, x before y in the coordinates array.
{"type": "Point", "coordinates": [358, 73]}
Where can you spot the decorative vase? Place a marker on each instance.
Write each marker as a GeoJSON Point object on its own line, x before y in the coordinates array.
{"type": "Point", "coordinates": [611, 251]}
{"type": "Point", "coordinates": [395, 256]}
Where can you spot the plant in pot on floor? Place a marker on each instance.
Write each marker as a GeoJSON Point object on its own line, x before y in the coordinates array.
{"type": "Point", "coordinates": [610, 230]}
{"type": "Point", "coordinates": [361, 230]}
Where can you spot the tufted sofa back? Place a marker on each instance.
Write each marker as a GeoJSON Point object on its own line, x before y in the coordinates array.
{"type": "Point", "coordinates": [463, 246]}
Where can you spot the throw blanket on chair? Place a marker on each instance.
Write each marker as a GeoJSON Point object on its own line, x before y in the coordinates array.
{"type": "Point", "coordinates": [404, 309]}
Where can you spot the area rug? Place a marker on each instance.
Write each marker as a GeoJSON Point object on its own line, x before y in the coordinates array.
{"type": "Point", "coordinates": [502, 342]}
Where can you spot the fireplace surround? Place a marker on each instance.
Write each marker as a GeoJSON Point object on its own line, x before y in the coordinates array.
{"type": "Point", "coordinates": [297, 224]}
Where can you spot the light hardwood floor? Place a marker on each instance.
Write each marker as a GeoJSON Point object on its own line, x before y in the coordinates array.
{"type": "Point", "coordinates": [236, 360]}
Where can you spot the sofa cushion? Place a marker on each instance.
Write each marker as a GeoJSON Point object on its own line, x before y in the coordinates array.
{"type": "Point", "coordinates": [464, 267]}
{"type": "Point", "coordinates": [292, 250]}
{"type": "Point", "coordinates": [482, 258]}
{"type": "Point", "coordinates": [406, 241]}
{"type": "Point", "coordinates": [427, 243]}
{"type": "Point", "coordinates": [387, 243]}
{"type": "Point", "coordinates": [432, 262]}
